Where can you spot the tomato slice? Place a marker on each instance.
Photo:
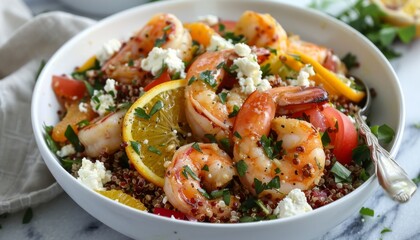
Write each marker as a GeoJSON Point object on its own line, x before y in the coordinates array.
{"type": "Point", "coordinates": [67, 88]}
{"type": "Point", "coordinates": [344, 135]}
{"type": "Point", "coordinates": [169, 213]}
{"type": "Point", "coordinates": [164, 77]}
{"type": "Point", "coordinates": [341, 130]}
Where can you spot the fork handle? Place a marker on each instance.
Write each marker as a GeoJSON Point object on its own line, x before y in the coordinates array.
{"type": "Point", "coordinates": [391, 176]}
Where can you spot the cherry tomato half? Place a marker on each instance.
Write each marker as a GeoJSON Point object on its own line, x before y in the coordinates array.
{"type": "Point", "coordinates": [164, 77]}
{"type": "Point", "coordinates": [67, 88]}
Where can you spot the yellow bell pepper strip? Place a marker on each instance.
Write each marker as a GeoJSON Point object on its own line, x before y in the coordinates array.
{"type": "Point", "coordinates": [296, 65]}
{"type": "Point", "coordinates": [90, 63]}
{"type": "Point", "coordinates": [331, 79]}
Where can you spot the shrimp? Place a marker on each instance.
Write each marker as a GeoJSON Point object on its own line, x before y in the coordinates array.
{"type": "Point", "coordinates": [163, 30]}
{"type": "Point", "coordinates": [261, 30]}
{"type": "Point", "coordinates": [194, 172]}
{"type": "Point", "coordinates": [299, 159]}
{"type": "Point", "coordinates": [205, 112]}
{"type": "Point", "coordinates": [103, 136]}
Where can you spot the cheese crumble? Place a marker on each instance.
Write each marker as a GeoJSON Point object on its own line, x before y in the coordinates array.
{"type": "Point", "coordinates": [93, 175]}
{"type": "Point", "coordinates": [107, 50]}
{"type": "Point", "coordinates": [158, 58]}
{"type": "Point", "coordinates": [294, 203]}
{"type": "Point", "coordinates": [103, 100]}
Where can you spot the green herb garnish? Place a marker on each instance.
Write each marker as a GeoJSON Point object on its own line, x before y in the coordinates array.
{"type": "Point", "coordinates": [367, 212]}
{"type": "Point", "coordinates": [208, 77]}
{"type": "Point", "coordinates": [135, 146]}
{"type": "Point", "coordinates": [341, 173]}
{"type": "Point", "coordinates": [192, 79]}
{"type": "Point", "coordinates": [241, 167]}
{"type": "Point", "coordinates": [222, 96]}
{"type": "Point", "coordinates": [236, 134]}
{"type": "Point", "coordinates": [205, 168]}
{"type": "Point", "coordinates": [52, 145]}
{"type": "Point", "coordinates": [73, 139]}
{"type": "Point", "coordinates": [384, 133]}
{"type": "Point", "coordinates": [188, 172]}
{"type": "Point", "coordinates": [154, 150]}
{"type": "Point", "coordinates": [211, 138]}
{"type": "Point", "coordinates": [197, 147]}
{"type": "Point", "coordinates": [41, 66]}
{"type": "Point", "coordinates": [234, 112]}
{"type": "Point", "coordinates": [325, 138]}
{"type": "Point", "coordinates": [385, 230]}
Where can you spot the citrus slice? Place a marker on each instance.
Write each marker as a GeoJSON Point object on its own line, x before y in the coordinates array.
{"type": "Point", "coordinates": [154, 128]}
{"type": "Point", "coordinates": [401, 12]}
{"type": "Point", "coordinates": [123, 198]}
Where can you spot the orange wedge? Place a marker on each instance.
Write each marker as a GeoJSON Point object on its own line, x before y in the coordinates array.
{"type": "Point", "coordinates": [154, 127]}
{"type": "Point", "coordinates": [123, 198]}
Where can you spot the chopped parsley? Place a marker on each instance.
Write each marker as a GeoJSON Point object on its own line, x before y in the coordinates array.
{"type": "Point", "coordinates": [135, 146]}
{"type": "Point", "coordinates": [234, 112]}
{"type": "Point", "coordinates": [241, 167]}
{"type": "Point", "coordinates": [271, 147]}
{"type": "Point", "coordinates": [82, 124]}
{"type": "Point", "coordinates": [73, 139]}
{"type": "Point", "coordinates": [385, 230]}
{"type": "Point", "coordinates": [52, 145]}
{"type": "Point", "coordinates": [208, 77]}
{"type": "Point", "coordinates": [186, 171]}
{"type": "Point", "coordinates": [141, 113]}
{"type": "Point", "coordinates": [384, 133]}
{"type": "Point", "coordinates": [234, 38]}
{"type": "Point", "coordinates": [205, 168]}
{"type": "Point", "coordinates": [260, 186]}
{"type": "Point", "coordinates": [154, 150]}
{"type": "Point", "coordinates": [341, 173]}
{"type": "Point", "coordinates": [225, 144]}
{"type": "Point", "coordinates": [236, 134]}
{"type": "Point", "coordinates": [325, 138]}
{"type": "Point", "coordinates": [192, 79]}
{"type": "Point", "coordinates": [197, 147]}
{"type": "Point", "coordinates": [366, 212]}
{"type": "Point", "coordinates": [222, 96]}
{"type": "Point", "coordinates": [350, 61]}
{"type": "Point", "coordinates": [89, 88]}
{"type": "Point", "coordinates": [361, 154]}
{"type": "Point", "coordinates": [211, 138]}
{"type": "Point", "coordinates": [265, 69]}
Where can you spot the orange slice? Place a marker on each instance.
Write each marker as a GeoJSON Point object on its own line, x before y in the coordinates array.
{"type": "Point", "coordinates": [152, 136]}
{"type": "Point", "coordinates": [123, 198]}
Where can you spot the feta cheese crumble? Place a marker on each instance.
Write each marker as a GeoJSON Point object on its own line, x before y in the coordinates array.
{"type": "Point", "coordinates": [293, 204]}
{"type": "Point", "coordinates": [93, 175]}
{"type": "Point", "coordinates": [159, 57]}
{"type": "Point", "coordinates": [209, 19]}
{"type": "Point", "coordinates": [103, 100]}
{"type": "Point", "coordinates": [83, 107]}
{"type": "Point", "coordinates": [248, 71]}
{"type": "Point", "coordinates": [107, 50]}
{"type": "Point", "coordinates": [303, 77]}
{"type": "Point", "coordinates": [66, 151]}
{"type": "Point", "coordinates": [218, 43]}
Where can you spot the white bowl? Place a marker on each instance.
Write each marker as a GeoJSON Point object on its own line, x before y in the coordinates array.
{"type": "Point", "coordinates": [388, 107]}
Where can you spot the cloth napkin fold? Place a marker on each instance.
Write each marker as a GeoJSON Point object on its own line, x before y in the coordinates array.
{"type": "Point", "coordinates": [24, 44]}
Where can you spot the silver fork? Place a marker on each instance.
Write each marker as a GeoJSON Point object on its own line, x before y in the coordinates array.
{"type": "Point", "coordinates": [391, 176]}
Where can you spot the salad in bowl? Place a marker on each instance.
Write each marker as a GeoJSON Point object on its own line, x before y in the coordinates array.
{"type": "Point", "coordinates": [213, 119]}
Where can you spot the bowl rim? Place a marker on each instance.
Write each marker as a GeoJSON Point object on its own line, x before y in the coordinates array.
{"type": "Point", "coordinates": [51, 159]}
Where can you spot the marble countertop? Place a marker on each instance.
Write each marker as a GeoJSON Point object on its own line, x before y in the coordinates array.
{"type": "Point", "coordinates": [62, 218]}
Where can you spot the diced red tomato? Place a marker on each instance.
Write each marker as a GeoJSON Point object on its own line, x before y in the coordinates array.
{"type": "Point", "coordinates": [68, 89]}
{"type": "Point", "coordinates": [164, 77]}
{"type": "Point", "coordinates": [169, 213]}
{"type": "Point", "coordinates": [341, 130]}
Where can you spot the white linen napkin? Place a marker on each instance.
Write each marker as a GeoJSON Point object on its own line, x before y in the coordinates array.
{"type": "Point", "coordinates": [24, 178]}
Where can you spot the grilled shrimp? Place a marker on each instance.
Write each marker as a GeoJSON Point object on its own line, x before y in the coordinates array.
{"type": "Point", "coordinates": [194, 172]}
{"type": "Point", "coordinates": [261, 30]}
{"type": "Point", "coordinates": [163, 30]}
{"type": "Point", "coordinates": [103, 136]}
{"type": "Point", "coordinates": [298, 157]}
{"type": "Point", "coordinates": [206, 113]}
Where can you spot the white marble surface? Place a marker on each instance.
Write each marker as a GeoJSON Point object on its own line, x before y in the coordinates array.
{"type": "Point", "coordinates": [62, 218]}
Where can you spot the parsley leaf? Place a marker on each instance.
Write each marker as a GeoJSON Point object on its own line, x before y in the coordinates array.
{"type": "Point", "coordinates": [384, 133]}
{"type": "Point", "coordinates": [73, 139]}
{"type": "Point", "coordinates": [367, 212]}
{"type": "Point", "coordinates": [241, 167]}
{"type": "Point", "coordinates": [341, 173]}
